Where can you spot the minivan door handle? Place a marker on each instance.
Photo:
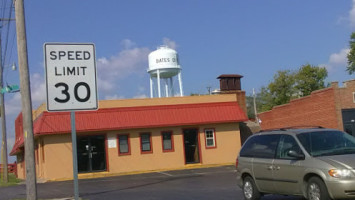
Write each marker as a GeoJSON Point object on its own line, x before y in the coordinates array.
{"type": "Point", "coordinates": [277, 168]}
{"type": "Point", "coordinates": [270, 167]}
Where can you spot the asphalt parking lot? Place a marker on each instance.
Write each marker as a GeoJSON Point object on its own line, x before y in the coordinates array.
{"type": "Point", "coordinates": [203, 183]}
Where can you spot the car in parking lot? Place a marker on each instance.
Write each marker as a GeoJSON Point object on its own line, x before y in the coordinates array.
{"type": "Point", "coordinates": [316, 163]}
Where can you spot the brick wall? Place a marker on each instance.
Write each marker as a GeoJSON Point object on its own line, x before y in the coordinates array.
{"type": "Point", "coordinates": [344, 98]}
{"type": "Point", "coordinates": [345, 93]}
{"type": "Point", "coordinates": [317, 109]}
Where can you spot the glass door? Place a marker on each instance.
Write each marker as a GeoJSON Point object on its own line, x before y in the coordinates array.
{"type": "Point", "coordinates": [192, 154]}
{"type": "Point", "coordinates": [91, 153]}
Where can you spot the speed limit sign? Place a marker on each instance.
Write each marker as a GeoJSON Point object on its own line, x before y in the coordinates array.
{"type": "Point", "coordinates": [70, 76]}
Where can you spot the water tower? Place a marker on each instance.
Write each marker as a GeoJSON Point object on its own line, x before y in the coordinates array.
{"type": "Point", "coordinates": [163, 67]}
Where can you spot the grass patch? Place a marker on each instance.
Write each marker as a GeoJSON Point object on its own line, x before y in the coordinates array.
{"type": "Point", "coordinates": [12, 181]}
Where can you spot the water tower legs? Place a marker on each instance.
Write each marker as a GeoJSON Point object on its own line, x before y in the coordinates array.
{"type": "Point", "coordinates": [180, 84]}
{"type": "Point", "coordinates": [166, 88]}
{"type": "Point", "coordinates": [162, 86]}
{"type": "Point", "coordinates": [171, 86]}
{"type": "Point", "coordinates": [158, 79]}
{"type": "Point", "coordinates": [151, 87]}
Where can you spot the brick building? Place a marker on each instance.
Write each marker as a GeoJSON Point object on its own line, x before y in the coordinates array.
{"type": "Point", "coordinates": [332, 107]}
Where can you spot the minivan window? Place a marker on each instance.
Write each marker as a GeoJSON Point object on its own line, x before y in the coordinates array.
{"type": "Point", "coordinates": [260, 146]}
{"type": "Point", "coordinates": [327, 143]}
{"type": "Point", "coordinates": [287, 143]}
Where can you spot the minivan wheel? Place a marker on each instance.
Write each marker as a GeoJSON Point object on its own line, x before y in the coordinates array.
{"type": "Point", "coordinates": [316, 189]}
{"type": "Point", "coordinates": [250, 191]}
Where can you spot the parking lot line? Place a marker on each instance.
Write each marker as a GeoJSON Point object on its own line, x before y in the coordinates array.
{"type": "Point", "coordinates": [164, 173]}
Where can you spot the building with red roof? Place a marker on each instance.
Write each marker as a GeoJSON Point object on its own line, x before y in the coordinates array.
{"type": "Point", "coordinates": [136, 135]}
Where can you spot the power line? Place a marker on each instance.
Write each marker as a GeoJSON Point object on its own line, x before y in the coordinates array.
{"type": "Point", "coordinates": [7, 37]}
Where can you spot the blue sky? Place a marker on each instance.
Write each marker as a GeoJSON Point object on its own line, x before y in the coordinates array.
{"type": "Point", "coordinates": [251, 38]}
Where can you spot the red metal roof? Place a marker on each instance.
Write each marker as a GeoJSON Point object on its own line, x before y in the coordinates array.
{"type": "Point", "coordinates": [136, 117]}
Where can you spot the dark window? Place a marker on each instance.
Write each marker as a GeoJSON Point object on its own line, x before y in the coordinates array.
{"type": "Point", "coordinates": [146, 143]}
{"type": "Point", "coordinates": [123, 145]}
{"type": "Point", "coordinates": [348, 128]}
{"type": "Point", "coordinates": [326, 143]}
{"type": "Point", "coordinates": [348, 116]}
{"type": "Point", "coordinates": [286, 144]}
{"type": "Point", "coordinates": [167, 138]}
{"type": "Point", "coordinates": [261, 146]}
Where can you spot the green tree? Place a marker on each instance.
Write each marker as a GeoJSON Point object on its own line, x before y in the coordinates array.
{"type": "Point", "coordinates": [351, 55]}
{"type": "Point", "coordinates": [287, 85]}
{"type": "Point", "coordinates": [266, 99]}
{"type": "Point", "coordinates": [282, 87]}
{"type": "Point", "coordinates": [310, 78]}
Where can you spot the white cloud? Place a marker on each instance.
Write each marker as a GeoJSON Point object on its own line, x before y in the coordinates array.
{"type": "Point", "coordinates": [141, 90]}
{"type": "Point", "coordinates": [325, 66]}
{"type": "Point", "coordinates": [169, 43]}
{"type": "Point", "coordinates": [111, 97]}
{"type": "Point", "coordinates": [140, 96]}
{"type": "Point", "coordinates": [14, 105]}
{"type": "Point", "coordinates": [38, 89]}
{"type": "Point", "coordinates": [112, 72]}
{"type": "Point", "coordinates": [337, 61]}
{"type": "Point", "coordinates": [126, 62]}
{"type": "Point", "coordinates": [103, 61]}
{"type": "Point", "coordinates": [339, 58]}
{"type": "Point", "coordinates": [105, 85]}
{"type": "Point", "coordinates": [128, 44]}
{"type": "Point", "coordinates": [349, 18]}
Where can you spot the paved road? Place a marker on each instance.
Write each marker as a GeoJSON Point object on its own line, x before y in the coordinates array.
{"type": "Point", "coordinates": [208, 183]}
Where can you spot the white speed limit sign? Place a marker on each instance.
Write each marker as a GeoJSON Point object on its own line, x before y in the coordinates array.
{"type": "Point", "coordinates": [70, 76]}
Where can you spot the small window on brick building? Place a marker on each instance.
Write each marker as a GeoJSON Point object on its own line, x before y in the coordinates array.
{"type": "Point", "coordinates": [168, 141]}
{"type": "Point", "coordinates": [210, 137]}
{"type": "Point", "coordinates": [146, 142]}
{"type": "Point", "coordinates": [354, 97]}
{"type": "Point", "coordinates": [124, 145]}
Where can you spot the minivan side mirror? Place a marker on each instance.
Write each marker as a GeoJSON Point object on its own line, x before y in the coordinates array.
{"type": "Point", "coordinates": [296, 155]}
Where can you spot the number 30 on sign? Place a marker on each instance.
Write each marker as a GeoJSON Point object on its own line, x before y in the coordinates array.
{"type": "Point", "coordinates": [70, 76]}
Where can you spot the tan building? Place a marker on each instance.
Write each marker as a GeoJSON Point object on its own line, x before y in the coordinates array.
{"type": "Point", "coordinates": [136, 135]}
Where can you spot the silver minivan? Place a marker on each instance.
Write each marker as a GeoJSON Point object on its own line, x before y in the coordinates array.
{"type": "Point", "coordinates": [316, 163]}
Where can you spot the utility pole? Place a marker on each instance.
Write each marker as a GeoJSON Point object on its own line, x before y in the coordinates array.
{"type": "Point", "coordinates": [3, 123]}
{"type": "Point", "coordinates": [3, 118]}
{"type": "Point", "coordinates": [209, 89]}
{"type": "Point", "coordinates": [31, 187]}
{"type": "Point", "coordinates": [255, 112]}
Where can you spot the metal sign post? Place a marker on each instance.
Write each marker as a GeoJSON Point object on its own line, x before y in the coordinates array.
{"type": "Point", "coordinates": [71, 85]}
{"type": "Point", "coordinates": [75, 156]}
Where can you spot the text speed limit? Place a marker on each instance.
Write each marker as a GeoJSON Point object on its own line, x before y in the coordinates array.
{"type": "Point", "coordinates": [71, 77]}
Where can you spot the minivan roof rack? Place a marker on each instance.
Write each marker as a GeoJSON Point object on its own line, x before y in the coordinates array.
{"type": "Point", "coordinates": [290, 127]}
